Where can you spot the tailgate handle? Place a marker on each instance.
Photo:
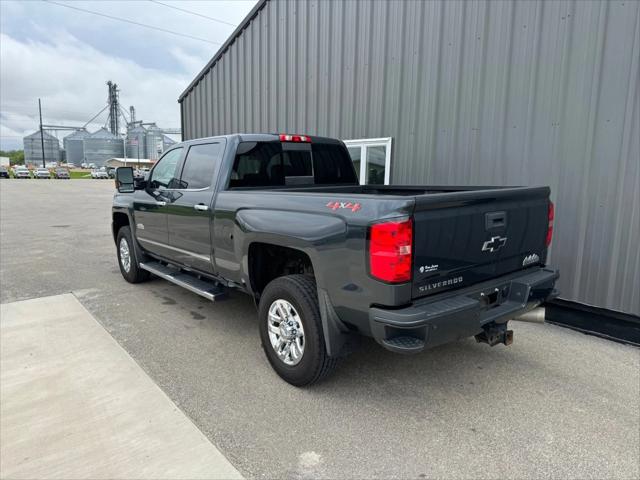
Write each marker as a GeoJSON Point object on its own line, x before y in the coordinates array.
{"type": "Point", "coordinates": [495, 220]}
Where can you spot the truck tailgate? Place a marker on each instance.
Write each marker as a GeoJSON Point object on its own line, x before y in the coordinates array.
{"type": "Point", "coordinates": [468, 237]}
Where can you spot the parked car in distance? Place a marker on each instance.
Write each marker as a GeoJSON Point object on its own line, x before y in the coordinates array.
{"type": "Point", "coordinates": [111, 171]}
{"type": "Point", "coordinates": [99, 174]}
{"type": "Point", "coordinates": [84, 165]}
{"type": "Point", "coordinates": [41, 173]}
{"type": "Point", "coordinates": [4, 173]}
{"type": "Point", "coordinates": [51, 165]}
{"type": "Point", "coordinates": [21, 172]}
{"type": "Point", "coordinates": [61, 173]}
{"type": "Point", "coordinates": [284, 219]}
{"type": "Point", "coordinates": [92, 165]}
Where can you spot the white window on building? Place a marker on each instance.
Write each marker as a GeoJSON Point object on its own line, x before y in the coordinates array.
{"type": "Point", "coordinates": [372, 159]}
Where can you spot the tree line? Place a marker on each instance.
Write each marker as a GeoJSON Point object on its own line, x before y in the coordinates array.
{"type": "Point", "coordinates": [16, 157]}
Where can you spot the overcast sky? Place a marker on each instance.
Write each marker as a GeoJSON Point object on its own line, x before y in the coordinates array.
{"type": "Point", "coordinates": [65, 57]}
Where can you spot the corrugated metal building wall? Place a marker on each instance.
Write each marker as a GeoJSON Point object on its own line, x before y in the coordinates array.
{"type": "Point", "coordinates": [486, 92]}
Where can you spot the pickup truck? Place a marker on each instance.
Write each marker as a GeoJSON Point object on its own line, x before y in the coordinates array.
{"type": "Point", "coordinates": [284, 219]}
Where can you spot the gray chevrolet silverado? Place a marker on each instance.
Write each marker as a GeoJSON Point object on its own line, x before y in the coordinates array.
{"type": "Point", "coordinates": [284, 219]}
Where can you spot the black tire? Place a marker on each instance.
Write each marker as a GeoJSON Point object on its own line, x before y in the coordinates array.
{"type": "Point", "coordinates": [300, 291]}
{"type": "Point", "coordinates": [135, 273]}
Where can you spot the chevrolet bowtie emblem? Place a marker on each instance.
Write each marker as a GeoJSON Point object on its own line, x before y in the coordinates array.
{"type": "Point", "coordinates": [493, 245]}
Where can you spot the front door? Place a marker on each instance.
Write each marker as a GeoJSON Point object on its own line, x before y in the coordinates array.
{"type": "Point", "coordinates": [150, 205]}
{"type": "Point", "coordinates": [190, 211]}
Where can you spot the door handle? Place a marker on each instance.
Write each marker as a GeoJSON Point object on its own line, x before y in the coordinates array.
{"type": "Point", "coordinates": [161, 204]}
{"type": "Point", "coordinates": [201, 207]}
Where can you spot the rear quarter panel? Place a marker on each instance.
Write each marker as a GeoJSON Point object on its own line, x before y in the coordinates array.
{"type": "Point", "coordinates": [333, 237]}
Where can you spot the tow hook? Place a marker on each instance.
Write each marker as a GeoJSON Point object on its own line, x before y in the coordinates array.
{"type": "Point", "coordinates": [495, 333]}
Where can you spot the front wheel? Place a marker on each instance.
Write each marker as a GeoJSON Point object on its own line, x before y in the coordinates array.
{"type": "Point", "coordinates": [127, 259]}
{"type": "Point", "coordinates": [291, 330]}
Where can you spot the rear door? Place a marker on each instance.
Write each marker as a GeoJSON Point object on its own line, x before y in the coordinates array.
{"type": "Point", "coordinates": [472, 241]}
{"type": "Point", "coordinates": [150, 205]}
{"type": "Point", "coordinates": [189, 212]}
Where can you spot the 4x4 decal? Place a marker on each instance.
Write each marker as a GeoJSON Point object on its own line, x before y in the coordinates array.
{"type": "Point", "coordinates": [354, 207]}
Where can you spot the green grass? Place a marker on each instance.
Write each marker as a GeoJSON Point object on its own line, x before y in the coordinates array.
{"type": "Point", "coordinates": [79, 175]}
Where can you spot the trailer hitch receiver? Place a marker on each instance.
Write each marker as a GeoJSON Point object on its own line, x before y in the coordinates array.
{"type": "Point", "coordinates": [495, 333]}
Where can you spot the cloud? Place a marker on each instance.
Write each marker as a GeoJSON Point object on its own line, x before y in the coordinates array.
{"type": "Point", "coordinates": [65, 57]}
{"type": "Point", "coordinates": [69, 76]}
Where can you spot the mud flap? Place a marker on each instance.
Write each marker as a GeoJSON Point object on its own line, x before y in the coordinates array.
{"type": "Point", "coordinates": [337, 339]}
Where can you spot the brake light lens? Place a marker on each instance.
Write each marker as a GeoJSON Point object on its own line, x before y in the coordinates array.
{"type": "Point", "coordinates": [286, 137]}
{"type": "Point", "coordinates": [552, 214]}
{"type": "Point", "coordinates": [390, 245]}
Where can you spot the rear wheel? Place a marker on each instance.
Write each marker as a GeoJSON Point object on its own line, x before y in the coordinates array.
{"type": "Point", "coordinates": [127, 259]}
{"type": "Point", "coordinates": [291, 330]}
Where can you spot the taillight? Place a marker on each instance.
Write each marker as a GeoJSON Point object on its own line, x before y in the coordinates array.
{"type": "Point", "coordinates": [390, 250]}
{"type": "Point", "coordinates": [552, 213]}
{"type": "Point", "coordinates": [285, 137]}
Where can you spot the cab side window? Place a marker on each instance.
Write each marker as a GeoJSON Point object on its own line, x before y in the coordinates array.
{"type": "Point", "coordinates": [255, 164]}
{"type": "Point", "coordinates": [164, 173]}
{"type": "Point", "coordinates": [201, 165]}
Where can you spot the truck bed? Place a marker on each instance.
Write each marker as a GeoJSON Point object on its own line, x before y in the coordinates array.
{"type": "Point", "coordinates": [462, 235]}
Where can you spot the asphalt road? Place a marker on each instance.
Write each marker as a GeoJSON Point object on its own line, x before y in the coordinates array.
{"type": "Point", "coordinates": [554, 404]}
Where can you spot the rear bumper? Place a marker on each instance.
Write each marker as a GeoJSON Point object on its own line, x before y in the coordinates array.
{"type": "Point", "coordinates": [460, 314]}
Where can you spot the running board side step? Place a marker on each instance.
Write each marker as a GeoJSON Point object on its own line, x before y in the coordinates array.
{"type": "Point", "coordinates": [205, 288]}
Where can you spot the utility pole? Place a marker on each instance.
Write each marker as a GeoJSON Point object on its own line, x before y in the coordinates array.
{"type": "Point", "coordinates": [41, 133]}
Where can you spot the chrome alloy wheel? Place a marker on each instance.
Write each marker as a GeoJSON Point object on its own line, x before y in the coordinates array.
{"type": "Point", "coordinates": [286, 333]}
{"type": "Point", "coordinates": [125, 256]}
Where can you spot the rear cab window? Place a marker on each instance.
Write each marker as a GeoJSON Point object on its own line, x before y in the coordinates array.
{"type": "Point", "coordinates": [274, 164]}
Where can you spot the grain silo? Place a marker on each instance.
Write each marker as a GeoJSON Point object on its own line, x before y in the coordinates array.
{"type": "Point", "coordinates": [74, 146]}
{"type": "Point", "coordinates": [102, 145]}
{"type": "Point", "coordinates": [33, 148]}
{"type": "Point", "coordinates": [154, 142]}
{"type": "Point", "coordinates": [136, 141]}
{"type": "Point", "coordinates": [167, 142]}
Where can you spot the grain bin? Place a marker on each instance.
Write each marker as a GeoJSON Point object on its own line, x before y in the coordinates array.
{"type": "Point", "coordinates": [154, 142]}
{"type": "Point", "coordinates": [33, 148]}
{"type": "Point", "coordinates": [167, 142]}
{"type": "Point", "coordinates": [136, 141]}
{"type": "Point", "coordinates": [102, 145]}
{"type": "Point", "coordinates": [74, 146]}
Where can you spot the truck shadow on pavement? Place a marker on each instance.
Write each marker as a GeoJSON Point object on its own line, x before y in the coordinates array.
{"type": "Point", "coordinates": [460, 365]}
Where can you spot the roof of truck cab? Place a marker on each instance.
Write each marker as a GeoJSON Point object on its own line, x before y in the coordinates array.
{"type": "Point", "coordinates": [257, 137]}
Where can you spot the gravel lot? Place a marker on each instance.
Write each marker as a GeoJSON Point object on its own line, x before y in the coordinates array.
{"type": "Point", "coordinates": [554, 404]}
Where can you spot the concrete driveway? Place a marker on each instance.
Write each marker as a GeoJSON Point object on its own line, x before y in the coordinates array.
{"type": "Point", "coordinates": [554, 404]}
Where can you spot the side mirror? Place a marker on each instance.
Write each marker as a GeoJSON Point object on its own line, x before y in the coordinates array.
{"type": "Point", "coordinates": [124, 180]}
